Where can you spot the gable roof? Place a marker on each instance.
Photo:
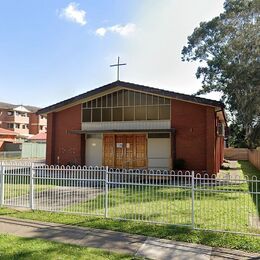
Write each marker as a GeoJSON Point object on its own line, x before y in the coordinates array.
{"type": "Point", "coordinates": [31, 109]}
{"type": "Point", "coordinates": [132, 86]}
{"type": "Point", "coordinates": [136, 87]}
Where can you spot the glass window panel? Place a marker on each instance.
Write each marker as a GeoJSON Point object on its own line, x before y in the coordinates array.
{"type": "Point", "coordinates": [115, 99]}
{"type": "Point", "coordinates": [104, 101]}
{"type": "Point", "coordinates": [140, 113]}
{"type": "Point", "coordinates": [131, 98]}
{"type": "Point", "coordinates": [117, 114]}
{"type": "Point", "coordinates": [98, 136]}
{"type": "Point", "coordinates": [167, 101]}
{"type": "Point", "coordinates": [155, 100]}
{"type": "Point", "coordinates": [149, 99]}
{"type": "Point", "coordinates": [143, 99]}
{"type": "Point", "coordinates": [99, 102]}
{"type": "Point", "coordinates": [126, 97]}
{"type": "Point", "coordinates": [158, 135]}
{"type": "Point", "coordinates": [86, 115]}
{"type": "Point", "coordinates": [120, 98]}
{"type": "Point", "coordinates": [164, 112]}
{"type": "Point", "coordinates": [89, 104]}
{"type": "Point", "coordinates": [137, 98]}
{"type": "Point", "coordinates": [109, 100]}
{"type": "Point", "coordinates": [84, 105]}
{"type": "Point", "coordinates": [106, 114]}
{"type": "Point", "coordinates": [152, 112]}
{"type": "Point", "coordinates": [96, 114]}
{"type": "Point", "coordinates": [94, 103]}
{"type": "Point", "coordinates": [129, 114]}
{"type": "Point", "coordinates": [161, 100]}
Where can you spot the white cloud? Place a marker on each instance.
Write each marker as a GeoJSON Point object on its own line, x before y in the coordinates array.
{"type": "Point", "coordinates": [101, 31]}
{"type": "Point", "coordinates": [74, 14]}
{"type": "Point", "coordinates": [123, 30]}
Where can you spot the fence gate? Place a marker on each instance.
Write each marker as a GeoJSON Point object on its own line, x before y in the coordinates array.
{"type": "Point", "coordinates": [16, 186]}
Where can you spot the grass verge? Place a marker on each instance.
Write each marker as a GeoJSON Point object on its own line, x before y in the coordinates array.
{"type": "Point", "coordinates": [227, 240]}
{"type": "Point", "coordinates": [12, 247]}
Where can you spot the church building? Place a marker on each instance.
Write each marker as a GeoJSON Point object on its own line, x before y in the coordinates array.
{"type": "Point", "coordinates": [126, 125]}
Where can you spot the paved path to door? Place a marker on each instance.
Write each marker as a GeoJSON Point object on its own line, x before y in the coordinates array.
{"type": "Point", "coordinates": [57, 198]}
{"type": "Point", "coordinates": [118, 242]}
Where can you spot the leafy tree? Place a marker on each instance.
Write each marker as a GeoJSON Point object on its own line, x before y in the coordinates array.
{"type": "Point", "coordinates": [228, 49]}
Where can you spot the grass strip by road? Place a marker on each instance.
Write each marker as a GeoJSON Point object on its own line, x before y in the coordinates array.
{"type": "Point", "coordinates": [12, 247]}
{"type": "Point", "coordinates": [227, 240]}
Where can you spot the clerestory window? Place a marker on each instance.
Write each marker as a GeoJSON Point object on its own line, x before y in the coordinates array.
{"type": "Point", "coordinates": [126, 105]}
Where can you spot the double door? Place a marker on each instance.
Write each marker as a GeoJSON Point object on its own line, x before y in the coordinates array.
{"type": "Point", "coordinates": [125, 150]}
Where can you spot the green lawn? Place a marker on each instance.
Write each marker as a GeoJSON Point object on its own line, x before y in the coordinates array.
{"type": "Point", "coordinates": [12, 247]}
{"type": "Point", "coordinates": [229, 208]}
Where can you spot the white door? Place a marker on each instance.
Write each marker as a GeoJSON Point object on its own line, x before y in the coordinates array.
{"type": "Point", "coordinates": [94, 150]}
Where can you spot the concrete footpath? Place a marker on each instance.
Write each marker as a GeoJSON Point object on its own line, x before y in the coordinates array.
{"type": "Point", "coordinates": [151, 248]}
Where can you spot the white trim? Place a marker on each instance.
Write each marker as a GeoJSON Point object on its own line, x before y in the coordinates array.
{"type": "Point", "coordinates": [127, 125]}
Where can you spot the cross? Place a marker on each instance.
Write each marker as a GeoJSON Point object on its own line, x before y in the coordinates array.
{"type": "Point", "coordinates": [118, 65]}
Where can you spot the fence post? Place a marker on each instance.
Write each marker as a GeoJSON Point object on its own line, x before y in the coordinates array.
{"type": "Point", "coordinates": [2, 182]}
{"type": "Point", "coordinates": [106, 193]}
{"type": "Point", "coordinates": [192, 200]}
{"type": "Point", "coordinates": [32, 174]}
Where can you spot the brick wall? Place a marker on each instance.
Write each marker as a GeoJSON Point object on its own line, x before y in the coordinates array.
{"type": "Point", "coordinates": [195, 135]}
{"type": "Point", "coordinates": [63, 147]}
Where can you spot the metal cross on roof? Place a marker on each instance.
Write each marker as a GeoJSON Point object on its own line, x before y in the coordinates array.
{"type": "Point", "coordinates": [118, 65]}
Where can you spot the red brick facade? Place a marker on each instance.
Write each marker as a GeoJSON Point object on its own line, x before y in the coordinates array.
{"type": "Point", "coordinates": [62, 147]}
{"type": "Point", "coordinates": [195, 135]}
{"type": "Point", "coordinates": [196, 140]}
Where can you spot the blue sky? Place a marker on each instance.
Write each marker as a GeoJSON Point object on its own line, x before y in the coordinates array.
{"type": "Point", "coordinates": [52, 50]}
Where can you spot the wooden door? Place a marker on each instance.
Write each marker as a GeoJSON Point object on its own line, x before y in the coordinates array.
{"type": "Point", "coordinates": [125, 151]}
{"type": "Point", "coordinates": [119, 151]}
{"type": "Point", "coordinates": [140, 151]}
{"type": "Point", "coordinates": [129, 151]}
{"type": "Point", "coordinates": [108, 150]}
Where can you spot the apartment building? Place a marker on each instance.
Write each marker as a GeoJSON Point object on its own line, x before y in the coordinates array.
{"type": "Point", "coordinates": [22, 119]}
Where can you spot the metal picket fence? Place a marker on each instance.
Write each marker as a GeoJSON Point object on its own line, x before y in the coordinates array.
{"type": "Point", "coordinates": [217, 203]}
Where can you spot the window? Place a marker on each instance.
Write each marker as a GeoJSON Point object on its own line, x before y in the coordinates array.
{"type": "Point", "coordinates": [17, 126]}
{"type": "Point", "coordinates": [152, 112]}
{"type": "Point", "coordinates": [158, 135]}
{"type": "Point", "coordinates": [86, 115]}
{"type": "Point", "coordinates": [126, 105]}
{"type": "Point", "coordinates": [129, 114]}
{"type": "Point", "coordinates": [117, 114]}
{"type": "Point", "coordinates": [221, 129]}
{"type": "Point", "coordinates": [10, 113]}
{"type": "Point", "coordinates": [10, 125]}
{"type": "Point", "coordinates": [96, 114]}
{"type": "Point", "coordinates": [106, 114]}
{"type": "Point", "coordinates": [164, 112]}
{"type": "Point", "coordinates": [140, 113]}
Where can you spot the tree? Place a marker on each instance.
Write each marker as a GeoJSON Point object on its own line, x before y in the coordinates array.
{"type": "Point", "coordinates": [228, 49]}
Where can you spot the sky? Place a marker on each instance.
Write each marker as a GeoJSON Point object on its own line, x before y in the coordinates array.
{"type": "Point", "coordinates": [53, 50]}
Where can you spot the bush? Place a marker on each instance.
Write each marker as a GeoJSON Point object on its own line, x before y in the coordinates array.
{"type": "Point", "coordinates": [179, 164]}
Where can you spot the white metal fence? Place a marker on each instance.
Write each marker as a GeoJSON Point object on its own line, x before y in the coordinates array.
{"type": "Point", "coordinates": [227, 204]}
